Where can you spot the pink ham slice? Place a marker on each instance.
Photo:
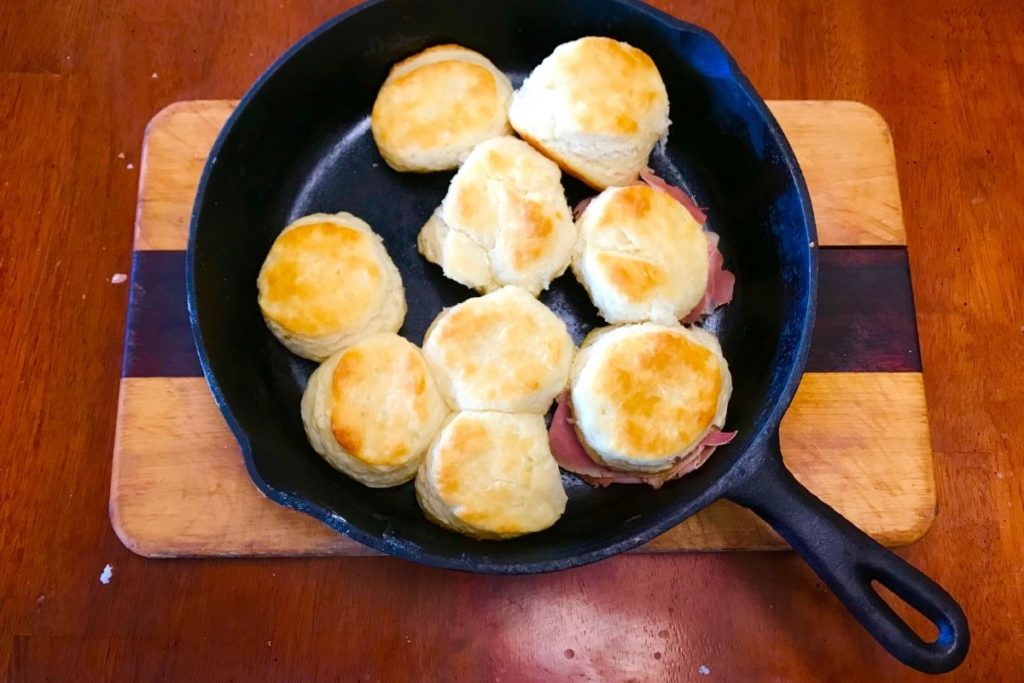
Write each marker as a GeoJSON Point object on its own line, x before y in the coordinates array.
{"type": "Point", "coordinates": [648, 176]}
{"type": "Point", "coordinates": [721, 282]}
{"type": "Point", "coordinates": [571, 456]}
{"type": "Point", "coordinates": [716, 438]}
{"type": "Point", "coordinates": [581, 207]}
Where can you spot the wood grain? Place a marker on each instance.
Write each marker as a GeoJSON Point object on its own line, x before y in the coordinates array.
{"type": "Point", "coordinates": [179, 485]}
{"type": "Point", "coordinates": [77, 89]}
{"type": "Point", "coordinates": [851, 175]}
{"type": "Point", "coordinates": [844, 148]}
{"type": "Point", "coordinates": [175, 147]}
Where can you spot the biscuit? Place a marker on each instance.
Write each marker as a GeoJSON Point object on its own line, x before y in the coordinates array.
{"type": "Point", "coordinates": [504, 221]}
{"type": "Point", "coordinates": [643, 396]}
{"type": "Point", "coordinates": [491, 476]}
{"type": "Point", "coordinates": [327, 282]}
{"type": "Point", "coordinates": [597, 106]}
{"type": "Point", "coordinates": [372, 409]}
{"type": "Point", "coordinates": [435, 106]}
{"type": "Point", "coordinates": [641, 256]}
{"type": "Point", "coordinates": [504, 351]}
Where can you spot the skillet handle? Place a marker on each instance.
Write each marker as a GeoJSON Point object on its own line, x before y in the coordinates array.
{"type": "Point", "coordinates": [848, 560]}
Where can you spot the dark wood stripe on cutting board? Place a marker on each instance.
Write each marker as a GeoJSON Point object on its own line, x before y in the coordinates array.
{"type": "Point", "coordinates": [865, 317]}
{"type": "Point", "coordinates": [865, 320]}
{"type": "Point", "coordinates": [158, 339]}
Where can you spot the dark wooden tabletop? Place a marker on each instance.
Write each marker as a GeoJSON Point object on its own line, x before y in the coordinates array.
{"type": "Point", "coordinates": [79, 79]}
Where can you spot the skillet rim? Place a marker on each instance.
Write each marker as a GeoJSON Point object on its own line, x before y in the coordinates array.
{"type": "Point", "coordinates": [759, 449]}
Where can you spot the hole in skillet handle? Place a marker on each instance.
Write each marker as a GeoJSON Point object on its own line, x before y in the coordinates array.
{"type": "Point", "coordinates": [849, 561]}
{"type": "Point", "coordinates": [925, 629]}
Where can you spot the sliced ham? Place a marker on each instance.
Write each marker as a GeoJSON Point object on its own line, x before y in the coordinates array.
{"type": "Point", "coordinates": [716, 438]}
{"type": "Point", "coordinates": [569, 453]}
{"type": "Point", "coordinates": [571, 456]}
{"type": "Point", "coordinates": [581, 207]}
{"type": "Point", "coordinates": [720, 283]}
{"type": "Point", "coordinates": [651, 178]}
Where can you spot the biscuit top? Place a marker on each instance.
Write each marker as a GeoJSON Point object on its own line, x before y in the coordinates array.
{"type": "Point", "coordinates": [321, 278]}
{"type": "Point", "coordinates": [384, 402]}
{"type": "Point", "coordinates": [508, 198]}
{"type": "Point", "coordinates": [495, 472]}
{"type": "Point", "coordinates": [504, 351]}
{"type": "Point", "coordinates": [647, 393]}
{"type": "Point", "coordinates": [602, 86]}
{"type": "Point", "coordinates": [642, 255]}
{"type": "Point", "coordinates": [414, 110]}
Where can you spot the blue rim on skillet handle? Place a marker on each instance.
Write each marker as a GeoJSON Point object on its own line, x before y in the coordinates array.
{"type": "Point", "coordinates": [299, 142]}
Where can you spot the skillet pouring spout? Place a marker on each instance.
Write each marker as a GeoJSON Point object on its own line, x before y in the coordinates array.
{"type": "Point", "coordinates": [850, 562]}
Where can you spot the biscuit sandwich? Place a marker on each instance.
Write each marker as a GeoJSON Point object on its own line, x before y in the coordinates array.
{"type": "Point", "coordinates": [647, 403]}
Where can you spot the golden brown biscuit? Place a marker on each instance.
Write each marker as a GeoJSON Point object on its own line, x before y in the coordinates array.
{"type": "Point", "coordinates": [504, 351]}
{"type": "Point", "coordinates": [372, 409]}
{"type": "Point", "coordinates": [504, 221]}
{"type": "Point", "coordinates": [491, 475]}
{"type": "Point", "coordinates": [436, 106]}
{"type": "Point", "coordinates": [597, 106]}
{"type": "Point", "coordinates": [641, 256]}
{"type": "Point", "coordinates": [327, 282]}
{"type": "Point", "coordinates": [645, 395]}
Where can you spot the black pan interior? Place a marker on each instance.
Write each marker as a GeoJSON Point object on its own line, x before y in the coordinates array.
{"type": "Point", "coordinates": [300, 143]}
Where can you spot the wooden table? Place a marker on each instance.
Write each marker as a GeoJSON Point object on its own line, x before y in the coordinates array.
{"type": "Point", "coordinates": [78, 81]}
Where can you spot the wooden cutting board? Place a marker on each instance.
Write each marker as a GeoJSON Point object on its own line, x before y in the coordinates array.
{"type": "Point", "coordinates": [856, 435]}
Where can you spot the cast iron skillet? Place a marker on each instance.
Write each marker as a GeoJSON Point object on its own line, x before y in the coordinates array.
{"type": "Point", "coordinates": [299, 142]}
